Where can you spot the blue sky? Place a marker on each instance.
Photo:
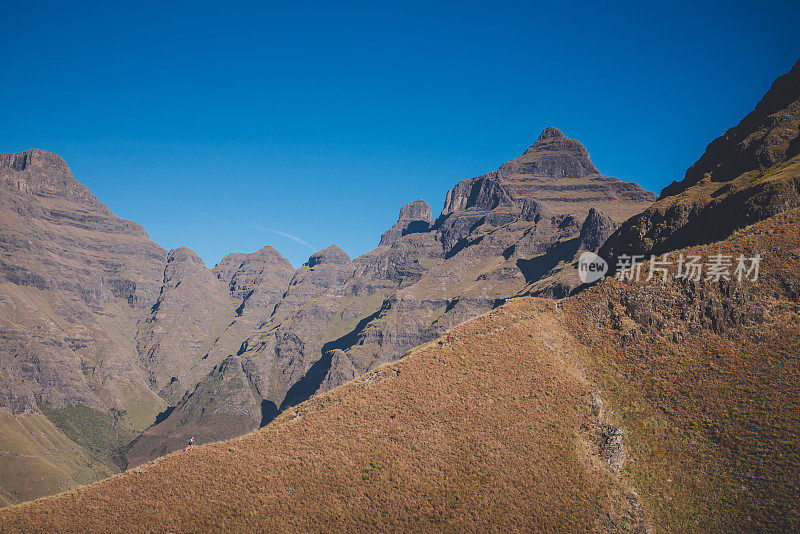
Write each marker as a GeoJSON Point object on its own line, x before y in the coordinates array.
{"type": "Point", "coordinates": [227, 126]}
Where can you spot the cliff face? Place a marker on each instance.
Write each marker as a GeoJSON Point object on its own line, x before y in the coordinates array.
{"type": "Point", "coordinates": [414, 217]}
{"type": "Point", "coordinates": [57, 236]}
{"type": "Point", "coordinates": [43, 174]}
{"type": "Point", "coordinates": [748, 174]}
{"type": "Point", "coordinates": [74, 281]}
{"type": "Point", "coordinates": [192, 309]}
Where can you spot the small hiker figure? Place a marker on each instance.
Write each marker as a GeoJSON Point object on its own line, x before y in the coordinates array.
{"type": "Point", "coordinates": [191, 441]}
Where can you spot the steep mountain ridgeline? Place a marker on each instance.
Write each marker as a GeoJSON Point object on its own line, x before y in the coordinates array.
{"type": "Point", "coordinates": [746, 175]}
{"type": "Point", "coordinates": [340, 318]}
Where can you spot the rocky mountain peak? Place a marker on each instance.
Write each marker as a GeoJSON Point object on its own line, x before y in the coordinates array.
{"type": "Point", "coordinates": [414, 217]}
{"type": "Point", "coordinates": [243, 272]}
{"type": "Point", "coordinates": [183, 254]}
{"type": "Point", "coordinates": [233, 261]}
{"type": "Point", "coordinates": [555, 173]}
{"type": "Point", "coordinates": [551, 132]}
{"type": "Point", "coordinates": [267, 253]}
{"type": "Point", "coordinates": [554, 155]}
{"type": "Point", "coordinates": [36, 158]}
{"type": "Point", "coordinates": [419, 210]}
{"type": "Point", "coordinates": [264, 272]}
{"type": "Point", "coordinates": [331, 255]}
{"type": "Point", "coordinates": [229, 265]}
{"type": "Point", "coordinates": [182, 264]}
{"type": "Point", "coordinates": [41, 173]}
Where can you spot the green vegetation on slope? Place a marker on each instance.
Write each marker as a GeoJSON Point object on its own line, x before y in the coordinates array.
{"type": "Point", "coordinates": [37, 459]}
{"type": "Point", "coordinates": [104, 436]}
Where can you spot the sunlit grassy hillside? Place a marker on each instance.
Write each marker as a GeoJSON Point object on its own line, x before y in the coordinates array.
{"type": "Point", "coordinates": [506, 426]}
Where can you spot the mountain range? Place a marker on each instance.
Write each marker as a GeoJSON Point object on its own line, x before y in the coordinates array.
{"type": "Point", "coordinates": [115, 351]}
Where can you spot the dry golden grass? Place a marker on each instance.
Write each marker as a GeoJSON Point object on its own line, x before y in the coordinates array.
{"type": "Point", "coordinates": [491, 433]}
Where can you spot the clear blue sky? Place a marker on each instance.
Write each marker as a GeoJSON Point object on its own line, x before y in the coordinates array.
{"type": "Point", "coordinates": [223, 126]}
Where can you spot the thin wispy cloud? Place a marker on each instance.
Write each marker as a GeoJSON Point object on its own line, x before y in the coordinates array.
{"type": "Point", "coordinates": [217, 220]}
{"type": "Point", "coordinates": [294, 238]}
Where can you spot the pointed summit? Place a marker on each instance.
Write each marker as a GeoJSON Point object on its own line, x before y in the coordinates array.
{"type": "Point", "coordinates": [557, 156]}
{"type": "Point", "coordinates": [557, 172]}
{"type": "Point", "coordinates": [549, 133]}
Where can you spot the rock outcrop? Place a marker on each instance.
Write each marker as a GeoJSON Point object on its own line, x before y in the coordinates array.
{"type": "Point", "coordinates": [596, 229]}
{"type": "Point", "coordinates": [414, 217]}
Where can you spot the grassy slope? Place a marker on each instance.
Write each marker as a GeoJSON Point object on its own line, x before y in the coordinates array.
{"type": "Point", "coordinates": [36, 458]}
{"type": "Point", "coordinates": [104, 436]}
{"type": "Point", "coordinates": [77, 445]}
{"type": "Point", "coordinates": [496, 430]}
